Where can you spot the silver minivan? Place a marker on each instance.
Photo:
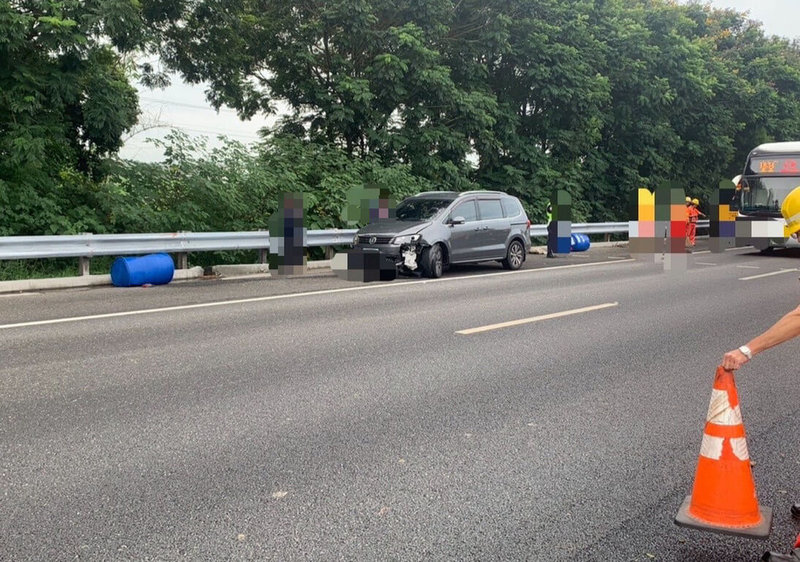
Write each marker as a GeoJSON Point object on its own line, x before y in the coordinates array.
{"type": "Point", "coordinates": [434, 229]}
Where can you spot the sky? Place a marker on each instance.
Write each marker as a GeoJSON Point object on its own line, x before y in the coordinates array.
{"type": "Point", "coordinates": [183, 106]}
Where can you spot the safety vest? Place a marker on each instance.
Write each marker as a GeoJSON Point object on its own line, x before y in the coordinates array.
{"type": "Point", "coordinates": [694, 214]}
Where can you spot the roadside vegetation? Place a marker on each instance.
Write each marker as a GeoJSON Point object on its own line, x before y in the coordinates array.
{"type": "Point", "coordinates": [527, 96]}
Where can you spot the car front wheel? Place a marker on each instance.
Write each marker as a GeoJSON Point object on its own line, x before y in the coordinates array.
{"type": "Point", "coordinates": [515, 255]}
{"type": "Point", "coordinates": [432, 262]}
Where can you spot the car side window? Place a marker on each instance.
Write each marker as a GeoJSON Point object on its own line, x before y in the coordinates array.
{"type": "Point", "coordinates": [490, 209]}
{"type": "Point", "coordinates": [467, 210]}
{"type": "Point", "coordinates": [511, 208]}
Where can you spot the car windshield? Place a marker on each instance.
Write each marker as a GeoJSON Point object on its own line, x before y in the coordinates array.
{"type": "Point", "coordinates": [421, 209]}
{"type": "Point", "coordinates": [764, 195]}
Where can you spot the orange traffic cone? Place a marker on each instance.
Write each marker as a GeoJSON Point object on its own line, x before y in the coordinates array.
{"type": "Point", "coordinates": [724, 495]}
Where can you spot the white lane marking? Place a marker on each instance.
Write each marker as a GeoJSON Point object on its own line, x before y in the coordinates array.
{"type": "Point", "coordinates": [618, 258]}
{"type": "Point", "coordinates": [711, 447]}
{"type": "Point", "coordinates": [748, 267]}
{"type": "Point", "coordinates": [10, 295]}
{"type": "Point", "coordinates": [779, 272]}
{"type": "Point", "coordinates": [698, 252]}
{"type": "Point", "coordinates": [535, 319]}
{"type": "Point", "coordinates": [704, 263]}
{"type": "Point", "coordinates": [292, 296]}
{"type": "Point", "coordinates": [522, 271]}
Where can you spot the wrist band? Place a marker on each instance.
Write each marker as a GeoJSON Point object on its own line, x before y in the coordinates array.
{"type": "Point", "coordinates": [746, 351]}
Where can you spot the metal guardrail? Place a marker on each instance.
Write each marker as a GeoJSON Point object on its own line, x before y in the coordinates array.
{"type": "Point", "coordinates": [91, 245]}
{"type": "Point", "coordinates": [586, 228]}
{"type": "Point", "coordinates": [598, 228]}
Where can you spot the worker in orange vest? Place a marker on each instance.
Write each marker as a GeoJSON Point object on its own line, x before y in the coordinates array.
{"type": "Point", "coordinates": [693, 214]}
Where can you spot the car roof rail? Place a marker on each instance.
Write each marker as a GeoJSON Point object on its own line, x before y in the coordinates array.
{"type": "Point", "coordinates": [481, 192]}
{"type": "Point", "coordinates": [435, 193]}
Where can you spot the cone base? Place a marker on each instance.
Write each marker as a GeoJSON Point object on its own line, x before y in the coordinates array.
{"type": "Point", "coordinates": [760, 531]}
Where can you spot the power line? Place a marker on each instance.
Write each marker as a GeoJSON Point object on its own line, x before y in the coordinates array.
{"type": "Point", "coordinates": [189, 105]}
{"type": "Point", "coordinates": [207, 131]}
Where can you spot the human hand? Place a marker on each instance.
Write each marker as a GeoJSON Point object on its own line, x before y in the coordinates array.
{"type": "Point", "coordinates": [733, 360]}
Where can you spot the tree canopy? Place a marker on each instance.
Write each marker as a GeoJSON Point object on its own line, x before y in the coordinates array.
{"type": "Point", "coordinates": [65, 102]}
{"type": "Point", "coordinates": [598, 97]}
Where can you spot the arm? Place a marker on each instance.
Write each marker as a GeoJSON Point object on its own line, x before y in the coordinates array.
{"type": "Point", "coordinates": [783, 330]}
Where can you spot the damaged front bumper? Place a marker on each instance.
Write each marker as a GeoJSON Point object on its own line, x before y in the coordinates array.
{"type": "Point", "coordinates": [409, 254]}
{"type": "Point", "coordinates": [404, 257]}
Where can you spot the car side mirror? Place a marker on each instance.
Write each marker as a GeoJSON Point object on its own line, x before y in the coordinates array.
{"type": "Point", "coordinates": [457, 220]}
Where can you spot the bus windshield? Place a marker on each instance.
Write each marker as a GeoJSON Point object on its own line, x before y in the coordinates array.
{"type": "Point", "coordinates": [764, 195]}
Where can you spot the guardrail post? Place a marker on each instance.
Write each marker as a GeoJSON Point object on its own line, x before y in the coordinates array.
{"type": "Point", "coordinates": [608, 237]}
{"type": "Point", "coordinates": [83, 265]}
{"type": "Point", "coordinates": [182, 260]}
{"type": "Point", "coordinates": [262, 252]}
{"type": "Point", "coordinates": [85, 261]}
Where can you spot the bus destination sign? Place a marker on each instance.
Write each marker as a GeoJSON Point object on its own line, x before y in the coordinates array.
{"type": "Point", "coordinates": [788, 166]}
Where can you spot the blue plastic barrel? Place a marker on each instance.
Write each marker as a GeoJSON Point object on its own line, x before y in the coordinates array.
{"type": "Point", "coordinates": [153, 269]}
{"type": "Point", "coordinates": [580, 242]}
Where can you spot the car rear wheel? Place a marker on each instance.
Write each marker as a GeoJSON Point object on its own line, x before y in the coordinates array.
{"type": "Point", "coordinates": [432, 261]}
{"type": "Point", "coordinates": [515, 255]}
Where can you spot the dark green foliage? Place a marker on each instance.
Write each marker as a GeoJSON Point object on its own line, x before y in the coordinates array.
{"type": "Point", "coordinates": [237, 187]}
{"type": "Point", "coordinates": [597, 98]}
{"type": "Point", "coordinates": [64, 103]}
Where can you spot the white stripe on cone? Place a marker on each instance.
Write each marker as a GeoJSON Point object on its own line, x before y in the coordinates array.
{"type": "Point", "coordinates": [739, 446]}
{"type": "Point", "coordinates": [711, 447]}
{"type": "Point", "coordinates": [720, 411]}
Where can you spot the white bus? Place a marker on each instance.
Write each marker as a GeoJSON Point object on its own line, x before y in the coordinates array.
{"type": "Point", "coordinates": [771, 172]}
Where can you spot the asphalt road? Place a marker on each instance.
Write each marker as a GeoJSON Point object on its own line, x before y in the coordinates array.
{"type": "Point", "coordinates": [317, 419]}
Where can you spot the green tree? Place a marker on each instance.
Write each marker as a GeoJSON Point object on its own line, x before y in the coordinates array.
{"type": "Point", "coordinates": [762, 82]}
{"type": "Point", "coordinates": [595, 97]}
{"type": "Point", "coordinates": [65, 101]}
{"type": "Point", "coordinates": [545, 75]}
{"type": "Point", "coordinates": [372, 77]}
{"type": "Point", "coordinates": [236, 187]}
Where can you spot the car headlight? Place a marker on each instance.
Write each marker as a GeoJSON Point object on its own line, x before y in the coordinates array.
{"type": "Point", "coordinates": [407, 239]}
{"type": "Point", "coordinates": [355, 240]}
